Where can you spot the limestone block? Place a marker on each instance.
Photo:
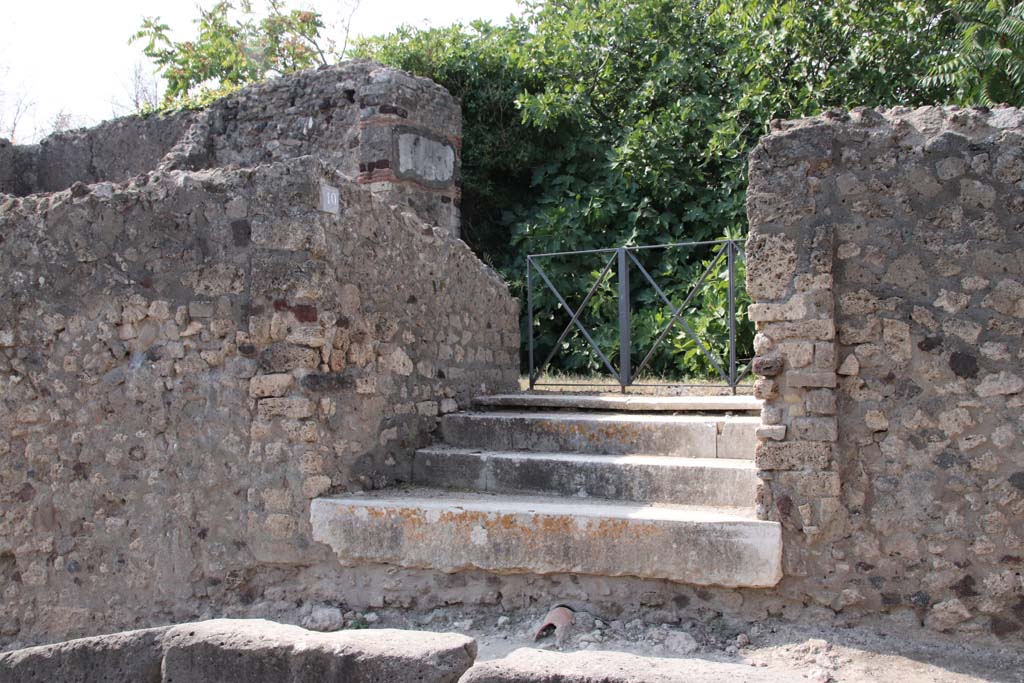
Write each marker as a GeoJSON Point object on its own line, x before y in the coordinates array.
{"type": "Point", "coordinates": [822, 330]}
{"type": "Point", "coordinates": [771, 264]}
{"type": "Point", "coordinates": [821, 402]}
{"type": "Point", "coordinates": [792, 455]}
{"type": "Point", "coordinates": [129, 657]}
{"type": "Point", "coordinates": [811, 378]}
{"type": "Point", "coordinates": [282, 357]}
{"type": "Point", "coordinates": [244, 651]}
{"type": "Point", "coordinates": [1000, 384]}
{"type": "Point", "coordinates": [815, 429]}
{"type": "Point", "coordinates": [1007, 297]}
{"type": "Point", "coordinates": [266, 386]}
{"type": "Point", "coordinates": [291, 408]}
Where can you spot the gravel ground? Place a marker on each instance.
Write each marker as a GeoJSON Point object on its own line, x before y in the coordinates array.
{"type": "Point", "coordinates": [885, 650]}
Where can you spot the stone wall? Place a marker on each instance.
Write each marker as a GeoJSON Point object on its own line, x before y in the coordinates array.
{"type": "Point", "coordinates": [396, 133]}
{"type": "Point", "coordinates": [189, 357]}
{"type": "Point", "coordinates": [886, 260]}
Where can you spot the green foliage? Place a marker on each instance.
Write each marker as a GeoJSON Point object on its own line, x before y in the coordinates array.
{"type": "Point", "coordinates": [480, 65]}
{"type": "Point", "coordinates": [232, 47]}
{"type": "Point", "coordinates": [599, 123]}
{"type": "Point", "coordinates": [987, 66]}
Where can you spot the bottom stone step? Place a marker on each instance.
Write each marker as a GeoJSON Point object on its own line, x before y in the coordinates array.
{"type": "Point", "coordinates": [451, 532]}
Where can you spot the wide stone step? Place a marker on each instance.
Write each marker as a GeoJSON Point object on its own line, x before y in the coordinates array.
{"type": "Point", "coordinates": [690, 436]}
{"type": "Point", "coordinates": [641, 478]}
{"type": "Point", "coordinates": [618, 402]}
{"type": "Point", "coordinates": [452, 532]}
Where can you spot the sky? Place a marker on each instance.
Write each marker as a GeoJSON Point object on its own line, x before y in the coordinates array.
{"type": "Point", "coordinates": [72, 56]}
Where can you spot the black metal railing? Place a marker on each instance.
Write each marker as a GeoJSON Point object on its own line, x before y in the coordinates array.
{"type": "Point", "coordinates": [731, 369]}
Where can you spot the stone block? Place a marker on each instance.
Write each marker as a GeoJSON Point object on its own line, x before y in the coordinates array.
{"type": "Point", "coordinates": [283, 357]}
{"type": "Point", "coordinates": [798, 354]}
{"type": "Point", "coordinates": [821, 402]}
{"type": "Point", "coordinates": [771, 432]}
{"type": "Point", "coordinates": [822, 330]}
{"type": "Point", "coordinates": [505, 534]}
{"type": "Point", "coordinates": [1000, 384]}
{"type": "Point", "coordinates": [793, 455]}
{"type": "Point", "coordinates": [291, 408]}
{"type": "Point", "coordinates": [815, 429]}
{"type": "Point", "coordinates": [849, 366]}
{"type": "Point", "coordinates": [267, 386]}
{"type": "Point", "coordinates": [771, 264]}
{"type": "Point", "coordinates": [810, 378]}
{"type": "Point", "coordinates": [250, 650]}
{"type": "Point", "coordinates": [767, 366]}
{"type": "Point", "coordinates": [128, 657]}
{"type": "Point", "coordinates": [766, 389]}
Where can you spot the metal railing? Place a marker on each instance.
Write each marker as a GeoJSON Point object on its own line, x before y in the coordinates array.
{"type": "Point", "coordinates": [726, 251]}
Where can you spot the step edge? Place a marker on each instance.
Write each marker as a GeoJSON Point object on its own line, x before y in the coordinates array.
{"type": "Point", "coordinates": [583, 507]}
{"type": "Point", "coordinates": [648, 459]}
{"type": "Point", "coordinates": [605, 416]}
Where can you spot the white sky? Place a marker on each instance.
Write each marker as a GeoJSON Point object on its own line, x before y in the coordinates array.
{"type": "Point", "coordinates": [73, 55]}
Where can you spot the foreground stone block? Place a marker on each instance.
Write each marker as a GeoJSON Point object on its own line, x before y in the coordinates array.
{"type": "Point", "coordinates": [129, 657]}
{"type": "Point", "coordinates": [527, 666]}
{"type": "Point", "coordinates": [452, 531]}
{"type": "Point", "coordinates": [255, 650]}
{"type": "Point", "coordinates": [245, 651]}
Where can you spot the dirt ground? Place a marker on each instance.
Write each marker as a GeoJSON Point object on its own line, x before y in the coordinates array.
{"type": "Point", "coordinates": [887, 650]}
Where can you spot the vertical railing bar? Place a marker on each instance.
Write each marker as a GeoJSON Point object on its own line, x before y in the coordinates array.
{"type": "Point", "coordinates": [625, 374]}
{"type": "Point", "coordinates": [732, 315]}
{"type": "Point", "coordinates": [625, 342]}
{"type": "Point", "coordinates": [529, 307]}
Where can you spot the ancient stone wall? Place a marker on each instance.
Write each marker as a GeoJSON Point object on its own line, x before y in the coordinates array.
{"type": "Point", "coordinates": [886, 260]}
{"type": "Point", "coordinates": [396, 133]}
{"type": "Point", "coordinates": [189, 357]}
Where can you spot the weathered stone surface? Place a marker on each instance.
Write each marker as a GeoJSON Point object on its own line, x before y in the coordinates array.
{"type": "Point", "coordinates": [921, 421]}
{"type": "Point", "coordinates": [528, 665]}
{"type": "Point", "coordinates": [774, 257]}
{"type": "Point", "coordinates": [642, 478]}
{"type": "Point", "coordinates": [455, 532]}
{"type": "Point", "coordinates": [767, 366]}
{"type": "Point", "coordinates": [129, 657]}
{"type": "Point", "coordinates": [248, 650]}
{"type": "Point", "coordinates": [244, 650]}
{"type": "Point", "coordinates": [1000, 384]}
{"type": "Point", "coordinates": [793, 455]}
{"type": "Point", "coordinates": [192, 390]}
{"type": "Point", "coordinates": [692, 436]}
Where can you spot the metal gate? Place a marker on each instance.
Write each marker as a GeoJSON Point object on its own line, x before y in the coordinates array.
{"type": "Point", "coordinates": [621, 261]}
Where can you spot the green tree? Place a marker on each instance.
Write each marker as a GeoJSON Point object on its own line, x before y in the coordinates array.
{"type": "Point", "coordinates": [987, 65]}
{"type": "Point", "coordinates": [480, 65]}
{"type": "Point", "coordinates": [634, 121]}
{"type": "Point", "coordinates": [233, 46]}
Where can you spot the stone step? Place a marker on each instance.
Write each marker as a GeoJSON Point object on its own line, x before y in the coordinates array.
{"type": "Point", "coordinates": [453, 532]}
{"type": "Point", "coordinates": [690, 436]}
{"type": "Point", "coordinates": [618, 402]}
{"type": "Point", "coordinates": [640, 478]}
